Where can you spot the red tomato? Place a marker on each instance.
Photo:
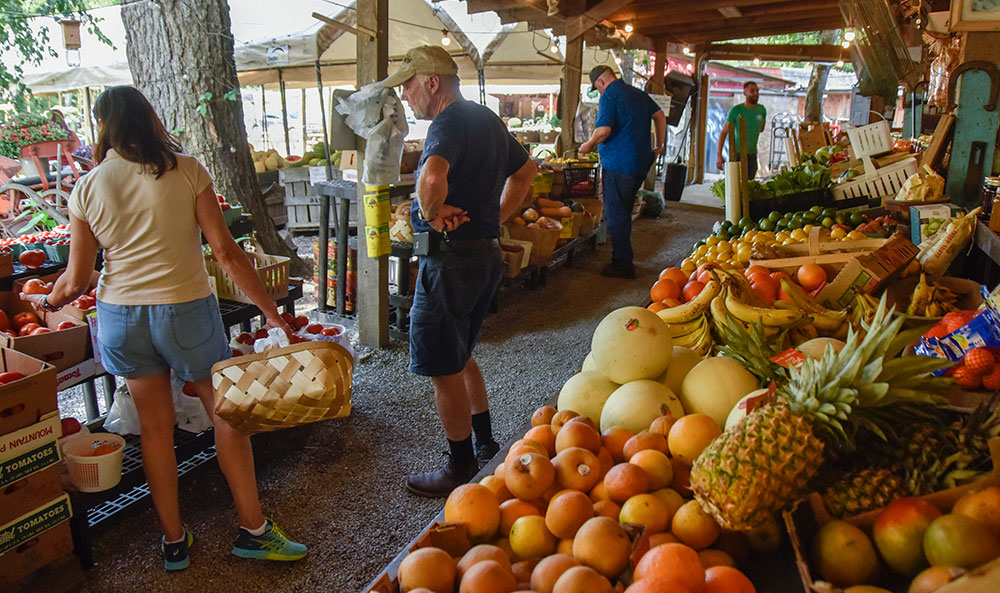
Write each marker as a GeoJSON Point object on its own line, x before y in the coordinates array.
{"type": "Point", "coordinates": [756, 270]}
{"type": "Point", "coordinates": [10, 377]}
{"type": "Point", "coordinates": [4, 322]}
{"type": "Point", "coordinates": [24, 317]}
{"type": "Point", "coordinates": [86, 302]}
{"type": "Point", "coordinates": [691, 290]}
{"type": "Point", "coordinates": [261, 333]}
{"type": "Point", "coordinates": [766, 291]}
{"type": "Point", "coordinates": [245, 338]}
{"type": "Point", "coordinates": [237, 352]}
{"type": "Point", "coordinates": [225, 206]}
{"type": "Point", "coordinates": [93, 293]}
{"type": "Point", "coordinates": [65, 325]}
{"type": "Point", "coordinates": [314, 328]}
{"type": "Point", "coordinates": [40, 330]}
{"type": "Point", "coordinates": [300, 322]}
{"type": "Point", "coordinates": [777, 276]}
{"type": "Point", "coordinates": [34, 286]}
{"type": "Point", "coordinates": [32, 258]}
{"type": "Point", "coordinates": [758, 277]}
{"type": "Point", "coordinates": [330, 331]}
{"type": "Point", "coordinates": [70, 426]}
{"type": "Point", "coordinates": [288, 317]}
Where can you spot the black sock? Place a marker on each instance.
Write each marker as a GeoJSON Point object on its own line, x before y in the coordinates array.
{"type": "Point", "coordinates": [482, 427]}
{"type": "Point", "coordinates": [461, 451]}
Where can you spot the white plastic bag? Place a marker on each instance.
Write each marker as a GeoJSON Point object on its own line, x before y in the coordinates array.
{"type": "Point", "coordinates": [376, 114]}
{"type": "Point", "coordinates": [190, 412]}
{"type": "Point", "coordinates": [122, 417]}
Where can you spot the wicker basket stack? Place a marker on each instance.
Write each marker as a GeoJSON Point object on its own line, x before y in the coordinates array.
{"type": "Point", "coordinates": [284, 387]}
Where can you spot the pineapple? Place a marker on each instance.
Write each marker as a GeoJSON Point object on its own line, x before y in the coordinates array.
{"type": "Point", "coordinates": [768, 459]}
{"type": "Point", "coordinates": [753, 348]}
{"type": "Point", "coordinates": [863, 491]}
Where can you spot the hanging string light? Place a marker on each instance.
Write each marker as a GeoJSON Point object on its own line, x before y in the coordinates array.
{"type": "Point", "coordinates": [628, 27]}
{"type": "Point", "coordinates": [445, 40]}
{"type": "Point", "coordinates": [686, 51]}
{"type": "Point", "coordinates": [850, 35]}
{"type": "Point", "coordinates": [554, 49]}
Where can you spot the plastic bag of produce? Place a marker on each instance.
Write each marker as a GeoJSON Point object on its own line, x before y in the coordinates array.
{"type": "Point", "coordinates": [122, 416]}
{"type": "Point", "coordinates": [938, 251]}
{"type": "Point", "coordinates": [923, 186]}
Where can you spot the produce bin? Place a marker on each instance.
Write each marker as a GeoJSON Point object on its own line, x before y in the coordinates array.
{"type": "Point", "coordinates": [543, 242]}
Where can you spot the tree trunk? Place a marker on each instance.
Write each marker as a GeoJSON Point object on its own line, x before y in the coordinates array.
{"type": "Point", "coordinates": [817, 81]}
{"type": "Point", "coordinates": [181, 57]}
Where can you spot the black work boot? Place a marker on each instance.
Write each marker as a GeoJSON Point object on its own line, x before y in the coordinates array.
{"type": "Point", "coordinates": [440, 483]}
{"type": "Point", "coordinates": [485, 452]}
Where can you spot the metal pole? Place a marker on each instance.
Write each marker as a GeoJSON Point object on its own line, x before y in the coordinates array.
{"type": "Point", "coordinates": [305, 139]}
{"type": "Point", "coordinates": [284, 111]}
{"type": "Point", "coordinates": [324, 208]}
{"type": "Point", "coordinates": [90, 118]}
{"type": "Point", "coordinates": [482, 87]}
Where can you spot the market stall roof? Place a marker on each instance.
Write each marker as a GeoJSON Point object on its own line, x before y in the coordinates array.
{"type": "Point", "coordinates": [679, 21]}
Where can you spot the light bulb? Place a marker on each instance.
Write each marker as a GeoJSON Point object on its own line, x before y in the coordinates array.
{"type": "Point", "coordinates": [845, 44]}
{"type": "Point", "coordinates": [628, 27]}
{"type": "Point", "coordinates": [554, 49]}
{"type": "Point", "coordinates": [445, 40]}
{"type": "Point", "coordinates": [840, 63]}
{"type": "Point", "coordinates": [850, 35]}
{"type": "Point", "coordinates": [686, 50]}
{"type": "Point", "coordinates": [756, 60]}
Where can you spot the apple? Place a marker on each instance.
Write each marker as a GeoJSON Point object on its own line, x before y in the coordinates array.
{"type": "Point", "coordinates": [300, 322]}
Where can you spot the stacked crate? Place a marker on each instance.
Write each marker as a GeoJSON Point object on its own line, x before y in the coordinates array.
{"type": "Point", "coordinates": [34, 510]}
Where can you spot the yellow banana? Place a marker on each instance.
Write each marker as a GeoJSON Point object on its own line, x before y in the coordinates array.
{"type": "Point", "coordinates": [934, 310]}
{"type": "Point", "coordinates": [744, 290]}
{"type": "Point", "coordinates": [769, 317]}
{"type": "Point", "coordinates": [693, 308]}
{"type": "Point", "coordinates": [682, 329]}
{"type": "Point", "coordinates": [691, 339]}
{"type": "Point", "coordinates": [807, 304]}
{"type": "Point", "coordinates": [922, 296]}
{"type": "Point", "coordinates": [704, 345]}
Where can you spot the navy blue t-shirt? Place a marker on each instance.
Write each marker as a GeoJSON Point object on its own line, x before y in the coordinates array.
{"type": "Point", "coordinates": [482, 154]}
{"type": "Point", "coordinates": [628, 112]}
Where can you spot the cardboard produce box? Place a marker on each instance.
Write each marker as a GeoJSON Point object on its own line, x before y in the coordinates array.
{"type": "Point", "coordinates": [35, 539]}
{"type": "Point", "coordinates": [29, 470]}
{"type": "Point", "coordinates": [26, 401]}
{"type": "Point", "coordinates": [868, 272]}
{"type": "Point", "coordinates": [925, 220]}
{"type": "Point", "coordinates": [62, 349]}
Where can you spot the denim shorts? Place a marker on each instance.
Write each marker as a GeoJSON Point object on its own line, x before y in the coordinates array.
{"type": "Point", "coordinates": [140, 340]}
{"type": "Point", "coordinates": [453, 296]}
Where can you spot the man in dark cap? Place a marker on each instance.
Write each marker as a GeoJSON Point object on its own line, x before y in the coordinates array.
{"type": "Point", "coordinates": [622, 137]}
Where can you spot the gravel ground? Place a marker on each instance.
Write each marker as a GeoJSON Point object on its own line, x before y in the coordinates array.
{"type": "Point", "coordinates": [338, 485]}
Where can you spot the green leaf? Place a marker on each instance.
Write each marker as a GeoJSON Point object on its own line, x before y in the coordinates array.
{"type": "Point", "coordinates": [202, 108]}
{"type": "Point", "coordinates": [232, 95]}
{"type": "Point", "coordinates": [205, 97]}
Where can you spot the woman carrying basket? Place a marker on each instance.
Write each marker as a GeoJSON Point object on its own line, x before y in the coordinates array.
{"type": "Point", "coordinates": [147, 206]}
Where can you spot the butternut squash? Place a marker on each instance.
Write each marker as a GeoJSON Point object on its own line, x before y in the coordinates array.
{"type": "Point", "coordinates": [546, 203]}
{"type": "Point", "coordinates": [557, 213]}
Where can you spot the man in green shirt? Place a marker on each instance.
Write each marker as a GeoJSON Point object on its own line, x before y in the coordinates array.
{"type": "Point", "coordinates": [755, 116]}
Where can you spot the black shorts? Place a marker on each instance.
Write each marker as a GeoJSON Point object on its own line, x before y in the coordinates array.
{"type": "Point", "coordinates": [453, 296]}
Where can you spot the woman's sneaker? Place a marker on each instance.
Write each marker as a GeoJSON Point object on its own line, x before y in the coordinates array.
{"type": "Point", "coordinates": [175, 556]}
{"type": "Point", "coordinates": [273, 544]}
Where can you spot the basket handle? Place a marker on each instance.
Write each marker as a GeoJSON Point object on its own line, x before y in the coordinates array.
{"type": "Point", "coordinates": [290, 349]}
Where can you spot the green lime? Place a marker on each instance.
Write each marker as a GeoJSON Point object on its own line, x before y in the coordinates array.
{"type": "Point", "coordinates": [774, 216]}
{"type": "Point", "coordinates": [817, 209]}
{"type": "Point", "coordinates": [724, 235]}
{"type": "Point", "coordinates": [726, 225]}
{"type": "Point", "coordinates": [827, 222]}
{"type": "Point", "coordinates": [745, 222]}
{"type": "Point", "coordinates": [829, 212]}
{"type": "Point", "coordinates": [698, 244]}
{"type": "Point", "coordinates": [767, 225]}
{"type": "Point", "coordinates": [809, 218]}
{"type": "Point", "coordinates": [857, 218]}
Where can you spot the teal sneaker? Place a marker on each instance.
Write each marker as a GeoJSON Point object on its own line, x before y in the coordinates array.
{"type": "Point", "coordinates": [175, 556]}
{"type": "Point", "coordinates": [273, 544]}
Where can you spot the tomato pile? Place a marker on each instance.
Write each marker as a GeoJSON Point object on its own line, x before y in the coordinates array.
{"type": "Point", "coordinates": [223, 203]}
{"type": "Point", "coordinates": [86, 302]}
{"type": "Point", "coordinates": [304, 331]}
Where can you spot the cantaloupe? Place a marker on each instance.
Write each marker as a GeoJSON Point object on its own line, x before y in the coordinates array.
{"type": "Point", "coordinates": [681, 363]}
{"type": "Point", "coordinates": [714, 386]}
{"type": "Point", "coordinates": [631, 343]}
{"type": "Point", "coordinates": [739, 411]}
{"type": "Point", "coordinates": [815, 347]}
{"type": "Point", "coordinates": [588, 363]}
{"type": "Point", "coordinates": [585, 394]}
{"type": "Point", "coordinates": [636, 404]}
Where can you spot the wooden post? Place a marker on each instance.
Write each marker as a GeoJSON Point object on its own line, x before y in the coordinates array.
{"type": "Point", "coordinates": [572, 72]}
{"type": "Point", "coordinates": [284, 112]}
{"type": "Point", "coordinates": [660, 68]}
{"type": "Point", "coordinates": [373, 273]}
{"type": "Point", "coordinates": [263, 116]}
{"type": "Point", "coordinates": [90, 118]}
{"type": "Point", "coordinates": [695, 120]}
{"type": "Point", "coordinates": [305, 138]}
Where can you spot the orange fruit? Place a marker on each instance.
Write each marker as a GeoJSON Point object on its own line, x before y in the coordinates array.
{"type": "Point", "coordinates": [581, 579]}
{"type": "Point", "coordinates": [578, 434]}
{"type": "Point", "coordinates": [497, 485]}
{"type": "Point", "coordinates": [479, 553]}
{"type": "Point", "coordinates": [530, 538]}
{"type": "Point", "coordinates": [766, 291]}
{"type": "Point", "coordinates": [567, 512]}
{"type": "Point", "coordinates": [522, 570]}
{"type": "Point", "coordinates": [694, 526]}
{"type": "Point", "coordinates": [614, 440]}
{"type": "Point", "coordinates": [656, 585]}
{"type": "Point", "coordinates": [664, 289]}
{"type": "Point", "coordinates": [691, 290]}
{"type": "Point", "coordinates": [512, 510]}
{"type": "Point", "coordinates": [662, 424]}
{"type": "Point", "coordinates": [549, 569]}
{"type": "Point", "coordinates": [648, 510]}
{"type": "Point", "coordinates": [602, 544]}
{"type": "Point", "coordinates": [607, 508]}
{"type": "Point", "coordinates": [811, 276]}
{"type": "Point", "coordinates": [672, 302]}
{"type": "Point", "coordinates": [488, 576]}
{"type": "Point", "coordinates": [726, 579]}
{"type": "Point", "coordinates": [682, 477]}
{"type": "Point", "coordinates": [690, 435]}
{"type": "Point", "coordinates": [655, 307]}
{"type": "Point", "coordinates": [431, 568]}
{"type": "Point", "coordinates": [543, 415]}
{"type": "Point", "coordinates": [560, 418]}
{"type": "Point", "coordinates": [713, 557]}
{"type": "Point", "coordinates": [673, 561]}
{"type": "Point", "coordinates": [676, 275]}
{"type": "Point", "coordinates": [756, 269]}
{"type": "Point", "coordinates": [644, 440]}
{"type": "Point", "coordinates": [477, 507]}
{"type": "Point", "coordinates": [544, 436]}
{"type": "Point", "coordinates": [657, 467]}
{"type": "Point", "coordinates": [624, 481]}
{"type": "Point", "coordinates": [658, 539]}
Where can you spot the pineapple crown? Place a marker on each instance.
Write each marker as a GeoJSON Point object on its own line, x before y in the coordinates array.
{"type": "Point", "coordinates": [867, 384]}
{"type": "Point", "coordinates": [753, 348]}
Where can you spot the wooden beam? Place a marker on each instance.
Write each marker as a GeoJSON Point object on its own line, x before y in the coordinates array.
{"type": "Point", "coordinates": [672, 16]}
{"type": "Point", "coordinates": [575, 26]}
{"type": "Point", "coordinates": [790, 53]}
{"type": "Point", "coordinates": [343, 26]}
{"type": "Point", "coordinates": [731, 12]}
{"type": "Point", "coordinates": [826, 17]}
{"type": "Point", "coordinates": [761, 31]}
{"type": "Point", "coordinates": [475, 6]}
{"type": "Point", "coordinates": [571, 91]}
{"type": "Point", "coordinates": [373, 273]}
{"type": "Point", "coordinates": [660, 66]}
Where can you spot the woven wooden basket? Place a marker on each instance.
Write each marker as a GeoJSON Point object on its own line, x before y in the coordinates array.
{"type": "Point", "coordinates": [284, 387]}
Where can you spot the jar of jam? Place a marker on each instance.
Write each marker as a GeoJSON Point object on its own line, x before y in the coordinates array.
{"type": "Point", "coordinates": [988, 193]}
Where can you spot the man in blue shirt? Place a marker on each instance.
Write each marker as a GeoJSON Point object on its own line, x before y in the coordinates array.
{"type": "Point", "coordinates": [472, 177]}
{"type": "Point", "coordinates": [622, 138]}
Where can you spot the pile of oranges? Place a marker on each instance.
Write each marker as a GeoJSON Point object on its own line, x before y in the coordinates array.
{"type": "Point", "coordinates": [674, 287]}
{"type": "Point", "coordinates": [574, 510]}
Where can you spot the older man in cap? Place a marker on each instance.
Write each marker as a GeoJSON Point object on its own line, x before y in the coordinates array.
{"type": "Point", "coordinates": [472, 177]}
{"type": "Point", "coordinates": [622, 137]}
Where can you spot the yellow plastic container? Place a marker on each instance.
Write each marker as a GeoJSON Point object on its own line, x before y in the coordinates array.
{"type": "Point", "coordinates": [378, 211]}
{"type": "Point", "coordinates": [377, 240]}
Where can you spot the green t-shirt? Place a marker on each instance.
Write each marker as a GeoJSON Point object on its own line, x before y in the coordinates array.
{"type": "Point", "coordinates": [755, 117]}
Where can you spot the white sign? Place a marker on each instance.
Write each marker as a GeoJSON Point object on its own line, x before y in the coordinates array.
{"type": "Point", "coordinates": [663, 101]}
{"type": "Point", "coordinates": [276, 55]}
{"type": "Point", "coordinates": [317, 174]}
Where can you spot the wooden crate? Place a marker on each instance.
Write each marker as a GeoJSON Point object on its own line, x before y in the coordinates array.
{"type": "Point", "coordinates": [301, 203]}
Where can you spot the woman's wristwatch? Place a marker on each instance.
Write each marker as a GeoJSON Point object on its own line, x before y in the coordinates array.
{"type": "Point", "coordinates": [47, 306]}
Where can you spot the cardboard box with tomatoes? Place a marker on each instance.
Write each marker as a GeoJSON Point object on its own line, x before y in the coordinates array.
{"type": "Point", "coordinates": [54, 337]}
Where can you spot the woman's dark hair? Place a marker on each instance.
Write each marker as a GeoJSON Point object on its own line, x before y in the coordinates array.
{"type": "Point", "coordinates": [129, 124]}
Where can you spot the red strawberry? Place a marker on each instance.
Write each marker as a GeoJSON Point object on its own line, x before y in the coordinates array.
{"type": "Point", "coordinates": [979, 361]}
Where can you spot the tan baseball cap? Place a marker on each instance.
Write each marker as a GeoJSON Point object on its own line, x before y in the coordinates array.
{"type": "Point", "coordinates": [426, 59]}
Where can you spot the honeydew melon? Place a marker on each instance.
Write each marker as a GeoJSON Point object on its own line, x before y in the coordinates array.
{"type": "Point", "coordinates": [681, 363]}
{"type": "Point", "coordinates": [630, 344]}
{"type": "Point", "coordinates": [585, 394]}
{"type": "Point", "coordinates": [714, 386]}
{"type": "Point", "coordinates": [815, 347]}
{"type": "Point", "coordinates": [636, 404]}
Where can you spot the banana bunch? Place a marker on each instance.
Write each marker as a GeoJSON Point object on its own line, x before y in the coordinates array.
{"type": "Point", "coordinates": [865, 306]}
{"type": "Point", "coordinates": [695, 334]}
{"type": "Point", "coordinates": [693, 309]}
{"type": "Point", "coordinates": [827, 321]}
{"type": "Point", "coordinates": [930, 300]}
{"type": "Point", "coordinates": [743, 305]}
